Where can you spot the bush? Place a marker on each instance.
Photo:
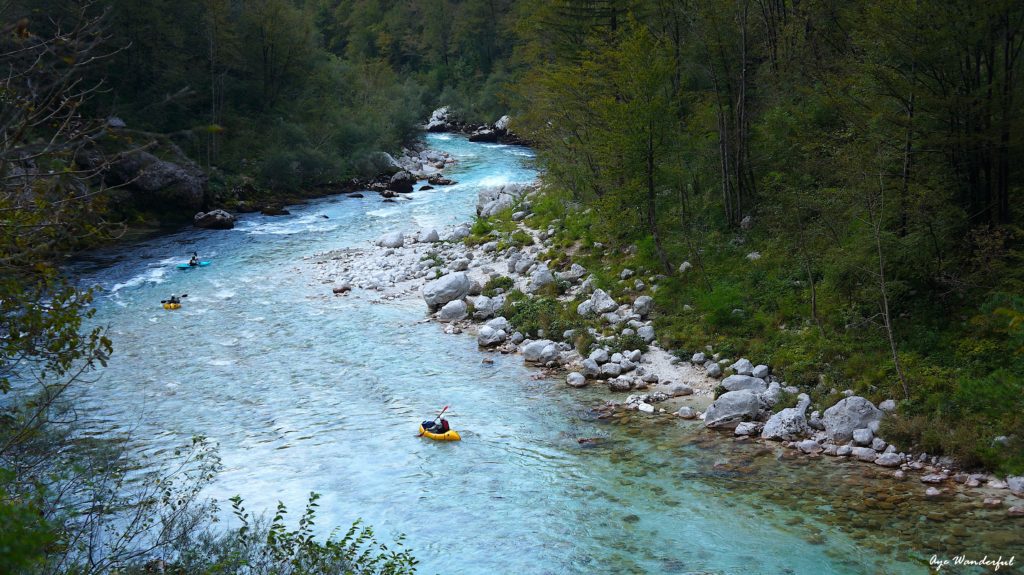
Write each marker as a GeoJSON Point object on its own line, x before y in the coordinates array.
{"type": "Point", "coordinates": [494, 284]}
{"type": "Point", "coordinates": [625, 343]}
{"type": "Point", "coordinates": [529, 315]}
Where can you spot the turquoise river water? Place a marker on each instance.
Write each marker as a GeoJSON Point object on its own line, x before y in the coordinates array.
{"type": "Point", "coordinates": [304, 391]}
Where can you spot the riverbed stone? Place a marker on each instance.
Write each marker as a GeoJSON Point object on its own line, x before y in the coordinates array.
{"type": "Point", "coordinates": [878, 444]}
{"type": "Point", "coordinates": [713, 370]}
{"type": "Point", "coordinates": [809, 446]}
{"type": "Point", "coordinates": [450, 287]}
{"type": "Point", "coordinates": [932, 493]}
{"type": "Point", "coordinates": [214, 220]}
{"type": "Point", "coordinates": [1016, 484]}
{"type": "Point", "coordinates": [687, 412]}
{"type": "Point", "coordinates": [646, 333]}
{"type": "Point", "coordinates": [620, 384]}
{"type": "Point", "coordinates": [454, 310]}
{"type": "Point", "coordinates": [540, 351]}
{"type": "Point", "coordinates": [391, 240]}
{"type": "Point", "coordinates": [849, 414]}
{"type": "Point", "coordinates": [590, 369]}
{"type": "Point", "coordinates": [698, 358]}
{"type": "Point", "coordinates": [732, 408]}
{"type": "Point", "coordinates": [746, 428]}
{"type": "Point", "coordinates": [760, 371]}
{"type": "Point", "coordinates": [643, 305]}
{"type": "Point", "coordinates": [738, 382]}
{"type": "Point", "coordinates": [611, 370]}
{"type": "Point", "coordinates": [602, 302]}
{"type": "Point", "coordinates": [789, 424]}
{"type": "Point", "coordinates": [743, 367]}
{"type": "Point", "coordinates": [889, 460]}
{"type": "Point", "coordinates": [500, 323]}
{"type": "Point", "coordinates": [490, 337]}
{"type": "Point", "coordinates": [864, 453]}
{"type": "Point", "coordinates": [599, 355]}
{"type": "Point", "coordinates": [539, 280]}
{"type": "Point", "coordinates": [862, 436]}
{"type": "Point", "coordinates": [576, 379]}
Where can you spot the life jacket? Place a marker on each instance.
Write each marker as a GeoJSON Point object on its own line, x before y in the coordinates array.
{"type": "Point", "coordinates": [444, 425]}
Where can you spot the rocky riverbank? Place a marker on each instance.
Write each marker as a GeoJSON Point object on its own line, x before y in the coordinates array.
{"type": "Point", "coordinates": [494, 281]}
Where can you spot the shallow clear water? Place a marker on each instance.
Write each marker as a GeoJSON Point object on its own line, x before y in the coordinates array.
{"type": "Point", "coordinates": [304, 391]}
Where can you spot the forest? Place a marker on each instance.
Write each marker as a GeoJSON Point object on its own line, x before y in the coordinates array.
{"type": "Point", "coordinates": [831, 186]}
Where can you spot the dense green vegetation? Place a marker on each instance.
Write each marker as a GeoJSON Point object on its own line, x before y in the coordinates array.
{"type": "Point", "coordinates": [842, 179]}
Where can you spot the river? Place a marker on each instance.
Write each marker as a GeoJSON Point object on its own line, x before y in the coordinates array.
{"type": "Point", "coordinates": [305, 391]}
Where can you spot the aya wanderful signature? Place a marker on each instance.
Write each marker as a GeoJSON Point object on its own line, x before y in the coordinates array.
{"type": "Point", "coordinates": [963, 560]}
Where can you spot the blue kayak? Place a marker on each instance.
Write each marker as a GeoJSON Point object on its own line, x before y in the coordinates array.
{"type": "Point", "coordinates": [186, 266]}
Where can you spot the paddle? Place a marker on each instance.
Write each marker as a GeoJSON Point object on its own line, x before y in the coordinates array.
{"type": "Point", "coordinates": [435, 420]}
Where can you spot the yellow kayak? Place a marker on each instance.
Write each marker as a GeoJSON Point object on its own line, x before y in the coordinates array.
{"type": "Point", "coordinates": [450, 435]}
{"type": "Point", "coordinates": [172, 305]}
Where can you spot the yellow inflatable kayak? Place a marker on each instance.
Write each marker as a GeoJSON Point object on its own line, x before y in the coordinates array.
{"type": "Point", "coordinates": [450, 435]}
{"type": "Point", "coordinates": [172, 305]}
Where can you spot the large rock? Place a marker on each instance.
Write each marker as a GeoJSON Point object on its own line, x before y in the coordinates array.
{"type": "Point", "coordinates": [484, 135]}
{"type": "Point", "coordinates": [643, 305]}
{"type": "Point", "coordinates": [454, 310]}
{"type": "Point", "coordinates": [428, 236]}
{"type": "Point", "coordinates": [383, 163]}
{"type": "Point", "coordinates": [539, 280]}
{"type": "Point", "coordinates": [732, 408]}
{"type": "Point", "coordinates": [391, 240]}
{"type": "Point", "coordinates": [646, 333]}
{"type": "Point", "coordinates": [492, 200]}
{"type": "Point", "coordinates": [214, 220]}
{"type": "Point", "coordinates": [155, 181]}
{"type": "Point", "coordinates": [490, 337]}
{"type": "Point", "coordinates": [402, 182]}
{"type": "Point", "coordinates": [540, 351]}
{"type": "Point", "coordinates": [500, 323]}
{"type": "Point", "coordinates": [789, 424]}
{"type": "Point", "coordinates": [446, 288]}
{"type": "Point", "coordinates": [576, 379]}
{"type": "Point", "coordinates": [743, 367]}
{"type": "Point", "coordinates": [849, 414]}
{"type": "Point", "coordinates": [438, 121]}
{"type": "Point", "coordinates": [738, 382]}
{"type": "Point", "coordinates": [601, 302]}
{"type": "Point", "coordinates": [501, 126]}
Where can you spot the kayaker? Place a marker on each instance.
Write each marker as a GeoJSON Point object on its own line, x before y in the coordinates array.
{"type": "Point", "coordinates": [444, 425]}
{"type": "Point", "coordinates": [195, 259]}
{"type": "Point", "coordinates": [174, 299]}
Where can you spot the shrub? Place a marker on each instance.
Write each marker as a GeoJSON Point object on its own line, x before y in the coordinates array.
{"type": "Point", "coordinates": [494, 284]}
{"type": "Point", "coordinates": [541, 313]}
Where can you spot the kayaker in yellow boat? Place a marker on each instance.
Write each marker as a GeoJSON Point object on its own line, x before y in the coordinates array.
{"type": "Point", "coordinates": [438, 429]}
{"type": "Point", "coordinates": [173, 302]}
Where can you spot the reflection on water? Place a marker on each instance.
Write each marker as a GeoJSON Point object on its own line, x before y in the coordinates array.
{"type": "Point", "coordinates": [305, 391]}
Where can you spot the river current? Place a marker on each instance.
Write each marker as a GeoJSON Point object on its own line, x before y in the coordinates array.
{"type": "Point", "coordinates": [305, 391]}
